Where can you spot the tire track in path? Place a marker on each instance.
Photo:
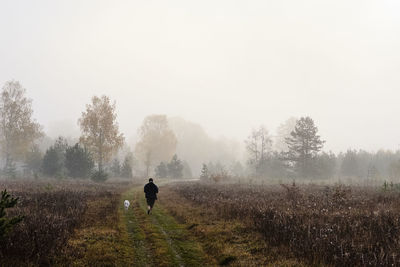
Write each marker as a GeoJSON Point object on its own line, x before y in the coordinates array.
{"type": "Point", "coordinates": [158, 239]}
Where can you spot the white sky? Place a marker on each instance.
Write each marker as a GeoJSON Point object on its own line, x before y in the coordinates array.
{"type": "Point", "coordinates": [228, 65]}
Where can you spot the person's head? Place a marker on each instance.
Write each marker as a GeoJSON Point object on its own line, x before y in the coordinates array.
{"type": "Point", "coordinates": [150, 180]}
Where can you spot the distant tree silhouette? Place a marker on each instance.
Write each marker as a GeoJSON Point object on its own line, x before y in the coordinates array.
{"type": "Point", "coordinates": [18, 130]}
{"type": "Point", "coordinates": [78, 161]}
{"type": "Point", "coordinates": [204, 172]}
{"type": "Point", "coordinates": [126, 168]}
{"type": "Point", "coordinates": [54, 159]}
{"type": "Point", "coordinates": [161, 170]}
{"type": "Point", "coordinates": [33, 160]}
{"type": "Point", "coordinates": [304, 144]}
{"type": "Point", "coordinates": [100, 132]}
{"type": "Point", "coordinates": [157, 141]}
{"type": "Point", "coordinates": [175, 167]}
{"type": "Point", "coordinates": [115, 167]}
{"type": "Point", "coordinates": [258, 146]}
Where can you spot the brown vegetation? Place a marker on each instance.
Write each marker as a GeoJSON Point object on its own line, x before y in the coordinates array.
{"type": "Point", "coordinates": [225, 241]}
{"type": "Point", "coordinates": [52, 214]}
{"type": "Point", "coordinates": [339, 225]}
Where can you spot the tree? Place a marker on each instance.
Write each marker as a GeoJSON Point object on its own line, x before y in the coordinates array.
{"type": "Point", "coordinates": [350, 164]}
{"type": "Point", "coordinates": [6, 224]}
{"type": "Point", "coordinates": [33, 160]}
{"type": "Point", "coordinates": [326, 165]}
{"type": "Point", "coordinates": [187, 171]}
{"type": "Point", "coordinates": [205, 175]}
{"type": "Point", "coordinates": [126, 169]}
{"type": "Point", "coordinates": [18, 130]}
{"type": "Point", "coordinates": [282, 133]}
{"type": "Point", "coordinates": [236, 169]}
{"type": "Point", "coordinates": [175, 167]}
{"type": "Point", "coordinates": [258, 145]}
{"type": "Point", "coordinates": [394, 170]}
{"type": "Point", "coordinates": [78, 161]}
{"type": "Point", "coordinates": [54, 158]}
{"type": "Point", "coordinates": [161, 170]}
{"type": "Point", "coordinates": [157, 141]}
{"type": "Point", "coordinates": [304, 144]}
{"type": "Point", "coordinates": [100, 133]}
{"type": "Point", "coordinates": [116, 168]}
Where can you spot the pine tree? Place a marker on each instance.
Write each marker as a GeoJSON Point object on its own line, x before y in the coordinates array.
{"type": "Point", "coordinates": [78, 161]}
{"type": "Point", "coordinates": [161, 170]}
{"type": "Point", "coordinates": [54, 158]}
{"type": "Point", "coordinates": [6, 224]}
{"type": "Point", "coordinates": [33, 160]}
{"type": "Point", "coordinates": [304, 145]}
{"type": "Point", "coordinates": [175, 167]}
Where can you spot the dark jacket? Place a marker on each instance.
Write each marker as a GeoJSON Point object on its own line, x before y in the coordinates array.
{"type": "Point", "coordinates": [151, 190]}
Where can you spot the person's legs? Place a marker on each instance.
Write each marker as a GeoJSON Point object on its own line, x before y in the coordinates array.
{"type": "Point", "coordinates": [150, 204]}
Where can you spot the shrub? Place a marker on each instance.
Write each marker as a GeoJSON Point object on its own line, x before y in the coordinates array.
{"type": "Point", "coordinates": [6, 224]}
{"type": "Point", "coordinates": [99, 176]}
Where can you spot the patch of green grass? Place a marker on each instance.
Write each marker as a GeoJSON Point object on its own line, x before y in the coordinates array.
{"type": "Point", "coordinates": [132, 219]}
{"type": "Point", "coordinates": [182, 248]}
{"type": "Point", "coordinates": [158, 239]}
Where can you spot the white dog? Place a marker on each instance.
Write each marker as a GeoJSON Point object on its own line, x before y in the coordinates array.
{"type": "Point", "coordinates": [126, 204]}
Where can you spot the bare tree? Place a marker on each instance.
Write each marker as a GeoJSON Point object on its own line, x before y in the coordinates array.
{"type": "Point", "coordinates": [282, 133]}
{"type": "Point", "coordinates": [18, 130]}
{"type": "Point", "coordinates": [157, 141]}
{"type": "Point", "coordinates": [100, 133]}
{"type": "Point", "coordinates": [258, 145]}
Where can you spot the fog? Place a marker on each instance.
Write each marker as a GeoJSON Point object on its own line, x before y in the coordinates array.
{"type": "Point", "coordinates": [228, 66]}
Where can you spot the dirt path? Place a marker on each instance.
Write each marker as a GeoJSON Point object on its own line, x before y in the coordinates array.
{"type": "Point", "coordinates": [157, 238]}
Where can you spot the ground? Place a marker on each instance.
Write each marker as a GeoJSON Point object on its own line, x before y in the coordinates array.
{"type": "Point", "coordinates": [176, 233]}
{"type": "Point", "coordinates": [158, 239]}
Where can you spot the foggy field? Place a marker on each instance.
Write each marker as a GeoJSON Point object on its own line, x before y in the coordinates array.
{"type": "Point", "coordinates": [335, 225]}
{"type": "Point", "coordinates": [265, 133]}
{"type": "Point", "coordinates": [84, 223]}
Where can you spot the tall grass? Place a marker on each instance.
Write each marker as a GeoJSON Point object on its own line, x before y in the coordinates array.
{"type": "Point", "coordinates": [342, 226]}
{"type": "Point", "coordinates": [51, 213]}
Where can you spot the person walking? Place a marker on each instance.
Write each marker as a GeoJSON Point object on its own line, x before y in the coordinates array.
{"type": "Point", "coordinates": [151, 191]}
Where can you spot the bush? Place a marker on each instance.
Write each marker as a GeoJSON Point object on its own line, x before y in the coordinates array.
{"type": "Point", "coordinates": [6, 224]}
{"type": "Point", "coordinates": [99, 176]}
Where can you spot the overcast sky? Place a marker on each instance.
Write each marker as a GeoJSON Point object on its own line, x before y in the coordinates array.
{"type": "Point", "coordinates": [227, 65]}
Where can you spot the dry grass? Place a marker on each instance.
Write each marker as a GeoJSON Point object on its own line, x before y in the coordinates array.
{"type": "Point", "coordinates": [225, 241]}
{"type": "Point", "coordinates": [66, 223]}
{"type": "Point", "coordinates": [340, 226]}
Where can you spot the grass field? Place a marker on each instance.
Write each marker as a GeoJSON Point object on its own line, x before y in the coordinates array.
{"type": "Point", "coordinates": [81, 223]}
{"type": "Point", "coordinates": [337, 225]}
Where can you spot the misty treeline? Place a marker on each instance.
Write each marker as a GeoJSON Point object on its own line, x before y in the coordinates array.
{"type": "Point", "coordinates": [173, 148]}
{"type": "Point", "coordinates": [296, 153]}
